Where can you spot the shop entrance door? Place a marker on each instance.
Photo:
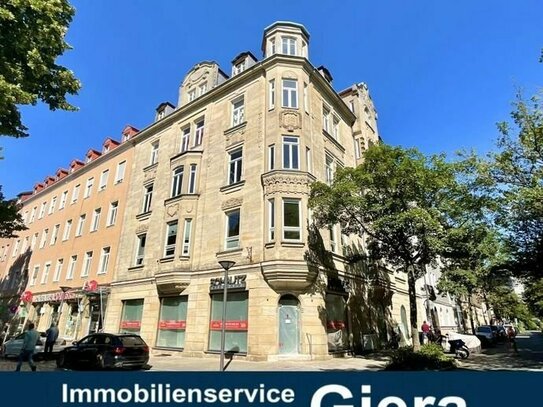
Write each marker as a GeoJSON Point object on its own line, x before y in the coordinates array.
{"type": "Point", "coordinates": [289, 325]}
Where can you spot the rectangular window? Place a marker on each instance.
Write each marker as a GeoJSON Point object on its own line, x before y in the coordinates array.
{"type": "Point", "coordinates": [80, 225]}
{"type": "Point", "coordinates": [54, 234]}
{"type": "Point", "coordinates": [86, 264]}
{"type": "Point", "coordinates": [52, 205]}
{"type": "Point", "coordinates": [192, 95]}
{"type": "Point", "coordinates": [356, 148]}
{"type": "Point", "coordinates": [271, 90]}
{"type": "Point", "coordinates": [45, 275]}
{"type": "Point", "coordinates": [291, 220]}
{"type": "Point", "coordinates": [326, 119]}
{"type": "Point", "coordinates": [329, 163]}
{"type": "Point", "coordinates": [171, 239]}
{"type": "Point", "coordinates": [290, 93]}
{"type": "Point", "coordinates": [186, 237]}
{"type": "Point", "coordinates": [16, 248]}
{"type": "Point", "coordinates": [272, 46]}
{"type": "Point", "coordinates": [336, 325]}
{"type": "Point", "coordinates": [235, 166]}
{"type": "Point", "coordinates": [185, 139]}
{"type": "Point", "coordinates": [88, 187]}
{"type": "Point", "coordinates": [25, 244]}
{"type": "Point", "coordinates": [33, 214]}
{"type": "Point", "coordinates": [333, 240]}
{"type": "Point", "coordinates": [271, 157]}
{"type": "Point", "coordinates": [119, 174]}
{"type": "Point", "coordinates": [199, 133]}
{"type": "Point", "coordinates": [236, 323]}
{"type": "Point", "coordinates": [308, 159]}
{"type": "Point", "coordinates": [271, 220]}
{"type": "Point", "coordinates": [103, 179]}
{"type": "Point", "coordinates": [335, 128]}
{"type": "Point", "coordinates": [104, 260]}
{"type": "Point", "coordinates": [288, 45]}
{"type": "Point", "coordinates": [172, 322]}
{"type": "Point", "coordinates": [140, 249]}
{"type": "Point", "coordinates": [75, 193]}
{"type": "Point", "coordinates": [44, 238]}
{"type": "Point", "coordinates": [154, 153]}
{"type": "Point", "coordinates": [177, 181]}
{"type": "Point", "coordinates": [67, 229]}
{"type": "Point", "coordinates": [239, 68]}
{"type": "Point", "coordinates": [351, 106]}
{"type": "Point", "coordinates": [71, 268]}
{"type": "Point", "coordinates": [35, 275]}
{"type": "Point", "coordinates": [63, 199]}
{"type": "Point", "coordinates": [192, 179]}
{"type": "Point", "coordinates": [131, 317]}
{"type": "Point", "coordinates": [112, 214]}
{"type": "Point", "coordinates": [306, 100]}
{"type": "Point", "coordinates": [147, 198]}
{"type": "Point", "coordinates": [96, 219]}
{"type": "Point", "coordinates": [232, 230]}
{"type": "Point", "coordinates": [202, 88]}
{"type": "Point", "coordinates": [58, 270]}
{"type": "Point", "coordinates": [34, 240]}
{"type": "Point", "coordinates": [238, 111]}
{"type": "Point", "coordinates": [291, 158]}
{"type": "Point", "coordinates": [42, 210]}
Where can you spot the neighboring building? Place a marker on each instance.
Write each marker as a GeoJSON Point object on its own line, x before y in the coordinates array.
{"type": "Point", "coordinates": [226, 176]}
{"type": "Point", "coordinates": [60, 268]}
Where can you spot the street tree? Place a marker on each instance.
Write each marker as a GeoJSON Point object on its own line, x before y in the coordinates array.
{"type": "Point", "coordinates": [10, 219]}
{"type": "Point", "coordinates": [32, 36]}
{"type": "Point", "coordinates": [395, 200]}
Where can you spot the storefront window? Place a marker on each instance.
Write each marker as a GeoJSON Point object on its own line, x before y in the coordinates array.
{"type": "Point", "coordinates": [173, 321]}
{"type": "Point", "coordinates": [131, 317]}
{"type": "Point", "coordinates": [236, 322]}
{"type": "Point", "coordinates": [72, 321]}
{"type": "Point", "coordinates": [336, 323]}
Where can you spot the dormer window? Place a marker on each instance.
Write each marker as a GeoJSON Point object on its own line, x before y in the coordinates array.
{"type": "Point", "coordinates": [202, 88]}
{"type": "Point", "coordinates": [88, 160]}
{"type": "Point", "coordinates": [160, 115]}
{"type": "Point", "coordinates": [126, 137]}
{"type": "Point", "coordinates": [239, 68]}
{"type": "Point", "coordinates": [105, 149]}
{"type": "Point", "coordinates": [288, 45]}
{"type": "Point", "coordinates": [192, 95]}
{"type": "Point", "coordinates": [272, 46]}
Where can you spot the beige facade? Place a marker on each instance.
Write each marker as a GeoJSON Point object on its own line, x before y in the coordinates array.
{"type": "Point", "coordinates": [66, 257]}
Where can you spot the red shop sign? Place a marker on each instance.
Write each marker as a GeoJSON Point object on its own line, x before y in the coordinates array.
{"type": "Point", "coordinates": [229, 326]}
{"type": "Point", "coordinates": [172, 324]}
{"type": "Point", "coordinates": [335, 324]}
{"type": "Point", "coordinates": [131, 324]}
{"type": "Point", "coordinates": [27, 296]}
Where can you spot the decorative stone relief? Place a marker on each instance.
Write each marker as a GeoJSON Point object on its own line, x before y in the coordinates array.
{"type": "Point", "coordinates": [142, 229]}
{"type": "Point", "coordinates": [149, 175]}
{"type": "Point", "coordinates": [284, 183]}
{"type": "Point", "coordinates": [290, 120]}
{"type": "Point", "coordinates": [172, 210]}
{"type": "Point", "coordinates": [232, 203]}
{"type": "Point", "coordinates": [289, 75]}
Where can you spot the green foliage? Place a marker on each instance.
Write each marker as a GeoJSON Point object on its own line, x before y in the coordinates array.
{"type": "Point", "coordinates": [430, 357]}
{"type": "Point", "coordinates": [10, 220]}
{"type": "Point", "coordinates": [533, 296]}
{"type": "Point", "coordinates": [32, 37]}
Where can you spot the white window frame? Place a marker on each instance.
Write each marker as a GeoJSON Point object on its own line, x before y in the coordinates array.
{"type": "Point", "coordinates": [52, 205]}
{"type": "Point", "coordinates": [33, 214]}
{"type": "Point", "coordinates": [42, 210]}
{"type": "Point", "coordinates": [306, 98]}
{"type": "Point", "coordinates": [71, 267]}
{"type": "Point", "coordinates": [290, 93]}
{"type": "Point", "coordinates": [138, 260]}
{"type": "Point", "coordinates": [329, 168]}
{"type": "Point", "coordinates": [357, 151]}
{"type": "Point", "coordinates": [54, 234]}
{"type": "Point", "coordinates": [202, 88]}
{"type": "Point", "coordinates": [199, 133]}
{"type": "Point", "coordinates": [147, 198]}
{"type": "Point", "coordinates": [103, 179]}
{"type": "Point", "coordinates": [112, 213]}
{"type": "Point", "coordinates": [271, 94]}
{"type": "Point", "coordinates": [292, 228]}
{"type": "Point", "coordinates": [45, 273]}
{"type": "Point", "coordinates": [326, 119]}
{"type": "Point", "coordinates": [271, 219]}
{"type": "Point", "coordinates": [187, 231]}
{"type": "Point", "coordinates": [43, 240]}
{"type": "Point", "coordinates": [153, 159]}
{"type": "Point", "coordinates": [87, 263]}
{"type": "Point", "coordinates": [63, 199]}
{"type": "Point", "coordinates": [119, 173]}
{"type": "Point", "coordinates": [35, 273]}
{"type": "Point", "coordinates": [177, 181]}
{"type": "Point", "coordinates": [95, 224]}
{"type": "Point", "coordinates": [192, 179]}
{"type": "Point", "coordinates": [67, 230]}
{"type": "Point", "coordinates": [293, 148]}
{"type": "Point", "coordinates": [308, 160]}
{"type": "Point", "coordinates": [75, 193]}
{"type": "Point", "coordinates": [172, 246]}
{"type": "Point", "coordinates": [238, 111]}
{"type": "Point", "coordinates": [335, 127]}
{"type": "Point", "coordinates": [88, 187]}
{"type": "Point", "coordinates": [333, 239]}
{"type": "Point", "coordinates": [185, 139]}
{"type": "Point", "coordinates": [80, 224]}
{"type": "Point", "coordinates": [235, 166]}
{"type": "Point", "coordinates": [104, 260]}
{"type": "Point", "coordinates": [16, 247]}
{"type": "Point", "coordinates": [273, 50]}
{"type": "Point", "coordinates": [271, 157]}
{"type": "Point", "coordinates": [240, 67]}
{"type": "Point", "coordinates": [192, 95]}
{"type": "Point", "coordinates": [58, 270]}
{"type": "Point", "coordinates": [289, 46]}
{"type": "Point", "coordinates": [232, 242]}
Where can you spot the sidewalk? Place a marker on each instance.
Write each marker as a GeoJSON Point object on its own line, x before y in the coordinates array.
{"type": "Point", "coordinates": [179, 363]}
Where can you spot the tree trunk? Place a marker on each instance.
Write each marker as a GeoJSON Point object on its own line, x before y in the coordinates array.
{"type": "Point", "coordinates": [471, 315]}
{"type": "Point", "coordinates": [413, 309]}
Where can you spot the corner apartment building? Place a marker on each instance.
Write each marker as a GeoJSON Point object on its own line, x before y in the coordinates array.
{"type": "Point", "coordinates": [226, 175]}
{"type": "Point", "coordinates": [60, 269]}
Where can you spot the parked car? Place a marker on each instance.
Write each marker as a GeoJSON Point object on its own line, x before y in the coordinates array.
{"type": "Point", "coordinates": [12, 347]}
{"type": "Point", "coordinates": [487, 335]}
{"type": "Point", "coordinates": [102, 351]}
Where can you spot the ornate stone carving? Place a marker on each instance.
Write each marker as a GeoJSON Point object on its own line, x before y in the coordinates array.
{"type": "Point", "coordinates": [287, 183]}
{"type": "Point", "coordinates": [291, 120]}
{"type": "Point", "coordinates": [149, 175]}
{"type": "Point", "coordinates": [289, 75]}
{"type": "Point", "coordinates": [172, 210]}
{"type": "Point", "coordinates": [232, 203]}
{"type": "Point", "coordinates": [142, 228]}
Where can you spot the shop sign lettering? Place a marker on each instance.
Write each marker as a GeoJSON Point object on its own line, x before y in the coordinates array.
{"type": "Point", "coordinates": [217, 284]}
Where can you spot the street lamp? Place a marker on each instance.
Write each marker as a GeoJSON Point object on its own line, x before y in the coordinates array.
{"type": "Point", "coordinates": [64, 289]}
{"type": "Point", "coordinates": [226, 265]}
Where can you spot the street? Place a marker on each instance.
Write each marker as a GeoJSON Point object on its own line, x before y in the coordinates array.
{"type": "Point", "coordinates": [529, 358]}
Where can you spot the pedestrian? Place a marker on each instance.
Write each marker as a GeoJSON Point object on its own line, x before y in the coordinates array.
{"type": "Point", "coordinates": [425, 331]}
{"type": "Point", "coordinates": [29, 346]}
{"type": "Point", "coordinates": [511, 334]}
{"type": "Point", "coordinates": [50, 340]}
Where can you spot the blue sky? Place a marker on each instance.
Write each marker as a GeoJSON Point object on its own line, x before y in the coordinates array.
{"type": "Point", "coordinates": [441, 73]}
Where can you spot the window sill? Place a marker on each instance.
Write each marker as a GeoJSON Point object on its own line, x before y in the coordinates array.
{"type": "Point", "coordinates": [226, 352]}
{"type": "Point", "coordinates": [183, 153]}
{"type": "Point", "coordinates": [291, 243]}
{"type": "Point", "coordinates": [150, 167]}
{"type": "Point", "coordinates": [118, 182]}
{"type": "Point", "coordinates": [232, 187]}
{"type": "Point", "coordinates": [228, 252]}
{"type": "Point", "coordinates": [184, 257]}
{"type": "Point", "coordinates": [235, 128]}
{"type": "Point", "coordinates": [168, 259]}
{"type": "Point", "coordinates": [333, 140]}
{"type": "Point", "coordinates": [143, 215]}
{"type": "Point", "coordinates": [171, 348]}
{"type": "Point", "coordinates": [139, 267]}
{"type": "Point", "coordinates": [269, 245]}
{"type": "Point", "coordinates": [181, 197]}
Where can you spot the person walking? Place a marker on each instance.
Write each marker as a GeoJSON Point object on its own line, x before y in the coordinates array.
{"type": "Point", "coordinates": [425, 332]}
{"type": "Point", "coordinates": [29, 346]}
{"type": "Point", "coordinates": [511, 334]}
{"type": "Point", "coordinates": [50, 340]}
